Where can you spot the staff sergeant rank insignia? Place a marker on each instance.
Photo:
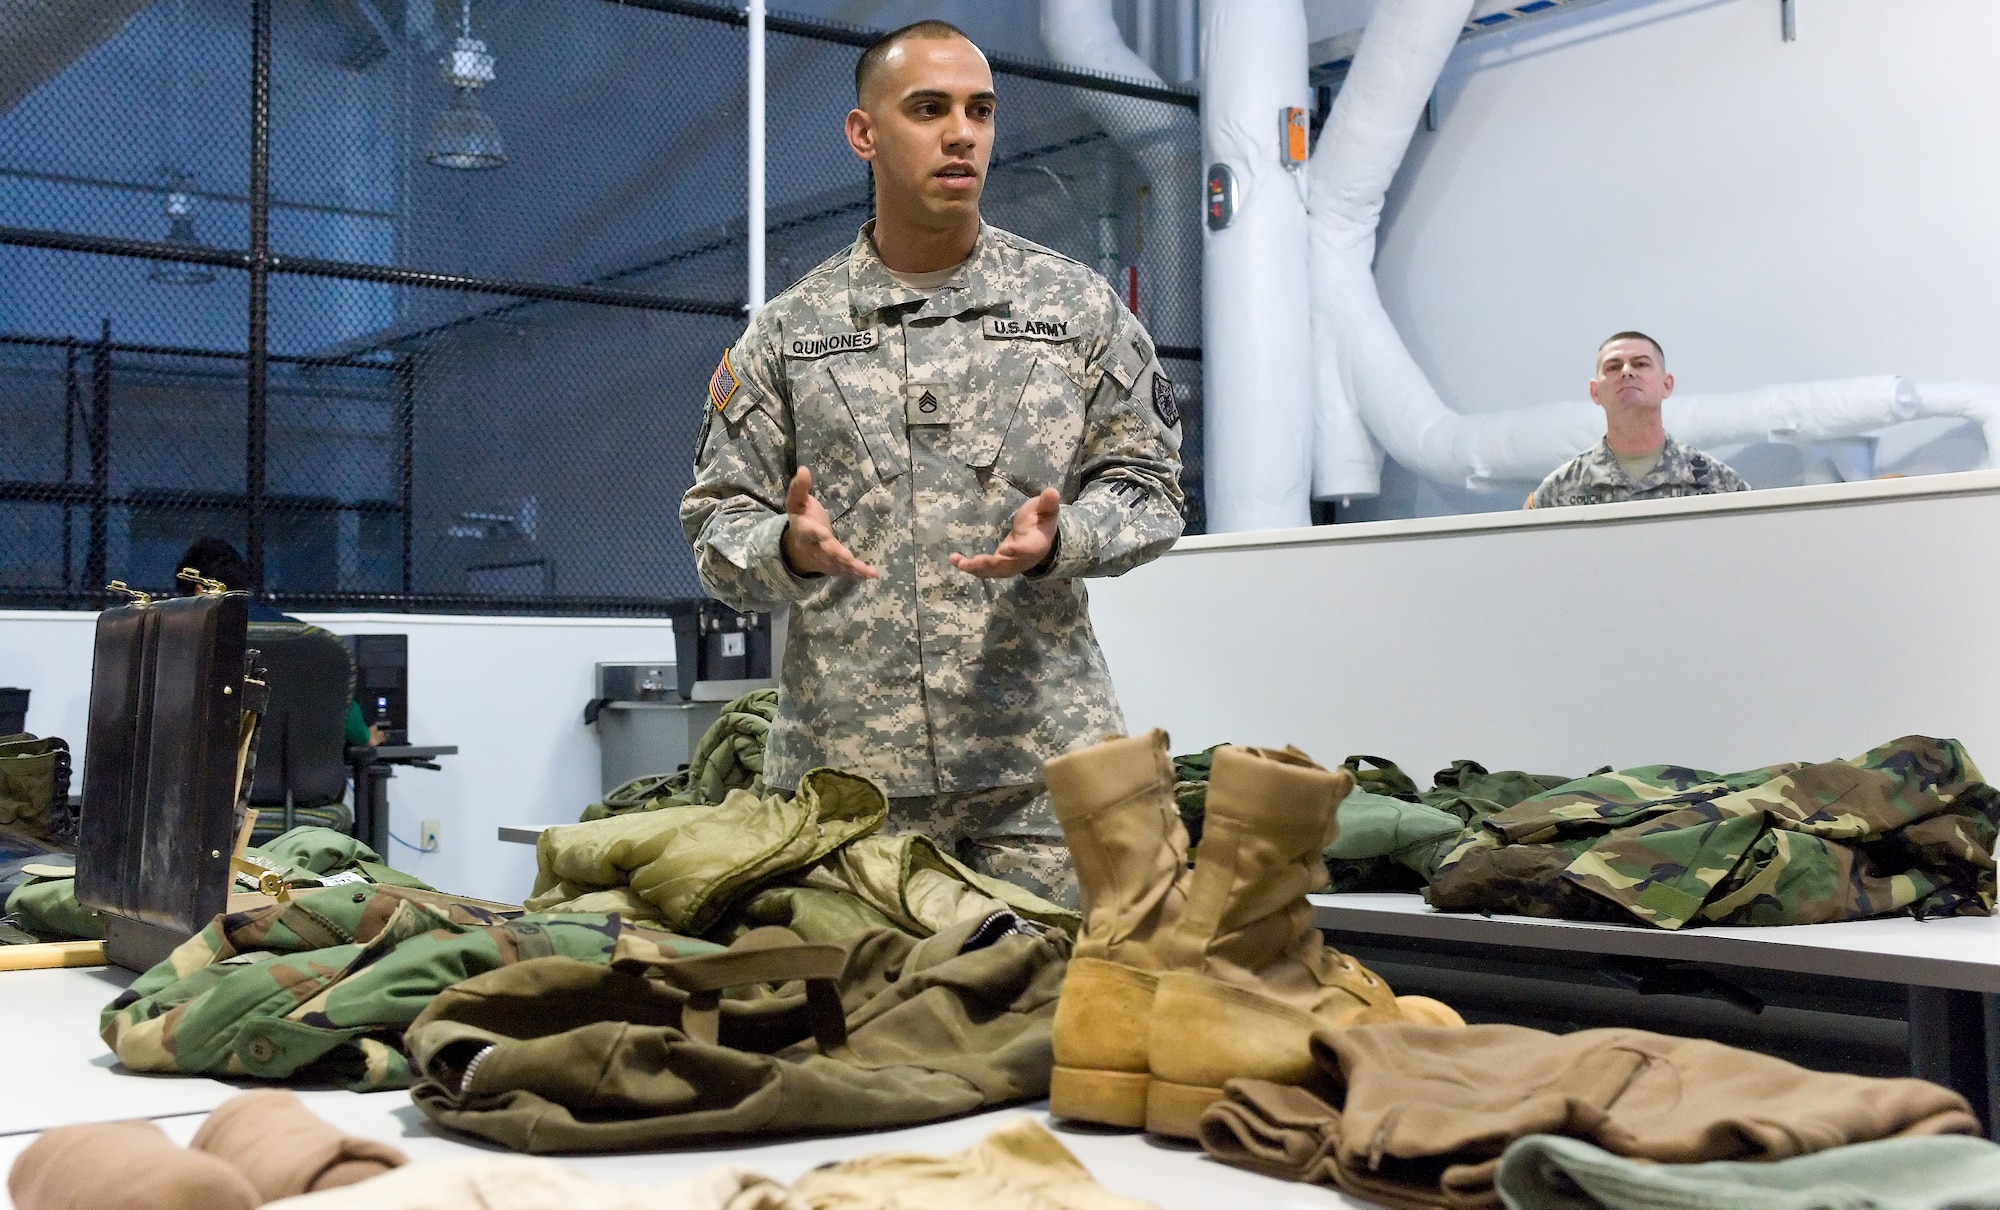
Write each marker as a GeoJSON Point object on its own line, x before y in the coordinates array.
{"type": "Point", "coordinates": [722, 387]}
{"type": "Point", "coordinates": [838, 342]}
{"type": "Point", "coordinates": [1163, 400]}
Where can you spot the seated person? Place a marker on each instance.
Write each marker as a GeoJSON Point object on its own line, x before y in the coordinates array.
{"type": "Point", "coordinates": [218, 560]}
{"type": "Point", "coordinates": [1636, 460]}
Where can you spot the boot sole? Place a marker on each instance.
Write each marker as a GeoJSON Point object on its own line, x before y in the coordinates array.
{"type": "Point", "coordinates": [1109, 1098]}
{"type": "Point", "coordinates": [1175, 1109]}
{"type": "Point", "coordinates": [1102, 1026]}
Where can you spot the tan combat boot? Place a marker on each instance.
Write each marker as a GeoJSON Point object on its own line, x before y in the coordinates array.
{"type": "Point", "coordinates": [1115, 802]}
{"type": "Point", "coordinates": [1249, 979]}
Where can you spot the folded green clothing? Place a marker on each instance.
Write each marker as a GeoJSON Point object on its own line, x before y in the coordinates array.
{"type": "Point", "coordinates": [1906, 827]}
{"type": "Point", "coordinates": [881, 1030]}
{"type": "Point", "coordinates": [810, 862]}
{"type": "Point", "coordinates": [46, 907]}
{"type": "Point", "coordinates": [692, 862]}
{"type": "Point", "coordinates": [320, 988]}
{"type": "Point", "coordinates": [729, 756]}
{"type": "Point", "coordinates": [1392, 835]}
{"type": "Point", "coordinates": [1951, 1172]}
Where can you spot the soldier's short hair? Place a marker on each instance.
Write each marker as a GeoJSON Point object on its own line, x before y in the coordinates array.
{"type": "Point", "coordinates": [870, 61]}
{"type": "Point", "coordinates": [1657, 350]}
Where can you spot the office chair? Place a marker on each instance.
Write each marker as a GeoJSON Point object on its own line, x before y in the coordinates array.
{"type": "Point", "coordinates": [302, 749]}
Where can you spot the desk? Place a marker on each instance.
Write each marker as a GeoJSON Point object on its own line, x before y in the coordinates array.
{"type": "Point", "coordinates": [69, 1077]}
{"type": "Point", "coordinates": [372, 769]}
{"type": "Point", "coordinates": [1950, 966]}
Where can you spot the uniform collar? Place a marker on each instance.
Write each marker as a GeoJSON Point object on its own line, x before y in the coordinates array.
{"type": "Point", "coordinates": [979, 285]}
{"type": "Point", "coordinates": [1672, 465]}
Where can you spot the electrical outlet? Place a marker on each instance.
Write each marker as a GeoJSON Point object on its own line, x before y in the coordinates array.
{"type": "Point", "coordinates": [427, 835]}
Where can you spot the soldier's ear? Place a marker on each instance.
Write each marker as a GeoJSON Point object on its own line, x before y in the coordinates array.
{"type": "Point", "coordinates": [861, 133]}
{"type": "Point", "coordinates": [1669, 380]}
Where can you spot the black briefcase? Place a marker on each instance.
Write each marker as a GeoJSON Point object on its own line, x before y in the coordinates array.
{"type": "Point", "coordinates": [161, 770]}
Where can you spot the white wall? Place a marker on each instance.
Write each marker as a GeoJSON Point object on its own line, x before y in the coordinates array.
{"type": "Point", "coordinates": [508, 691]}
{"type": "Point", "coordinates": [1720, 632]}
{"type": "Point", "coordinates": [1771, 211]}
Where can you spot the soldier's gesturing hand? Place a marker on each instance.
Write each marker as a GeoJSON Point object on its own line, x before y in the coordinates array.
{"type": "Point", "coordinates": [1027, 544]}
{"type": "Point", "coordinates": [809, 545]}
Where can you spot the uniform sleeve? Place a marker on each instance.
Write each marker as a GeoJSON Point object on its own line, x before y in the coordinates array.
{"type": "Point", "coordinates": [734, 515]}
{"type": "Point", "coordinates": [1127, 509]}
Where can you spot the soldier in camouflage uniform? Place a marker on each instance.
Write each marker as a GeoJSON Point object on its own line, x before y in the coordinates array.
{"type": "Point", "coordinates": [939, 389]}
{"type": "Point", "coordinates": [1636, 460]}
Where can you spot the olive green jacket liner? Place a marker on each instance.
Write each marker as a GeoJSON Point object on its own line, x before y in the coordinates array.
{"type": "Point", "coordinates": [811, 862]}
{"type": "Point", "coordinates": [729, 756]}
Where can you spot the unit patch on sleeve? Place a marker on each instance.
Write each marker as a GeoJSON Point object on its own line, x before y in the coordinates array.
{"type": "Point", "coordinates": [1163, 400]}
{"type": "Point", "coordinates": [722, 387]}
{"type": "Point", "coordinates": [1004, 327]}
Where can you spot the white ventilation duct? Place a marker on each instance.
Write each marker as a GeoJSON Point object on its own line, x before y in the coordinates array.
{"type": "Point", "coordinates": [1362, 368]}
{"type": "Point", "coordinates": [1165, 142]}
{"type": "Point", "coordinates": [1256, 336]}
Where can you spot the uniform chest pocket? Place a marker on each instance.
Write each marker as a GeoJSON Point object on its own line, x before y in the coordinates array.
{"type": "Point", "coordinates": [1034, 444]}
{"type": "Point", "coordinates": [838, 407]}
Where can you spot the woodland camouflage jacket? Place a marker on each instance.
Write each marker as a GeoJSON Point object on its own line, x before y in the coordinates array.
{"type": "Point", "coordinates": [1906, 827]}
{"type": "Point", "coordinates": [323, 986]}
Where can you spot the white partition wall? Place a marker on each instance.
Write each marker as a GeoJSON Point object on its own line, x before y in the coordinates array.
{"type": "Point", "coordinates": [509, 692]}
{"type": "Point", "coordinates": [1719, 632]}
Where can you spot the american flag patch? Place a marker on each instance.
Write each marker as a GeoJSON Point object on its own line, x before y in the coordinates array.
{"type": "Point", "coordinates": [722, 387]}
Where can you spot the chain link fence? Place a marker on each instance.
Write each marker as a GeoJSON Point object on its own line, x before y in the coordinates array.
{"type": "Point", "coordinates": [420, 342]}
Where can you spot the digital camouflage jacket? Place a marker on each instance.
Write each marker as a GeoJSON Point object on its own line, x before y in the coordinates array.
{"type": "Point", "coordinates": [1594, 477]}
{"type": "Point", "coordinates": [1906, 827]}
{"type": "Point", "coordinates": [927, 421]}
{"type": "Point", "coordinates": [322, 987]}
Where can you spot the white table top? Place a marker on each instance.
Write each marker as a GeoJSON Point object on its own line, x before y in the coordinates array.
{"type": "Point", "coordinates": [1961, 952]}
{"type": "Point", "coordinates": [59, 1073]}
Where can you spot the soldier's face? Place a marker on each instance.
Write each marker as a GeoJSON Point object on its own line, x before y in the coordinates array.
{"type": "Point", "coordinates": [927, 127]}
{"type": "Point", "coordinates": [1629, 375]}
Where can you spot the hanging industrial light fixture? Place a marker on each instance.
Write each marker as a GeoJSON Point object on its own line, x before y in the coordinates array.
{"type": "Point", "coordinates": [179, 206]}
{"type": "Point", "coordinates": [179, 209]}
{"type": "Point", "coordinates": [464, 136]}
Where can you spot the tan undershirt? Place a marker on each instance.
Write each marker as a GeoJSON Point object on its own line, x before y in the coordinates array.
{"type": "Point", "coordinates": [926, 282]}
{"type": "Point", "coordinates": [1638, 466]}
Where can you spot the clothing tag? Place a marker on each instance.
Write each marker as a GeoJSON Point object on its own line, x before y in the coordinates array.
{"type": "Point", "coordinates": [344, 877]}
{"type": "Point", "coordinates": [1000, 327]}
{"type": "Point", "coordinates": [927, 403]}
{"type": "Point", "coordinates": [805, 347]}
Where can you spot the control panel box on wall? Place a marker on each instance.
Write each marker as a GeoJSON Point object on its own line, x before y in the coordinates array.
{"type": "Point", "coordinates": [381, 681]}
{"type": "Point", "coordinates": [714, 643]}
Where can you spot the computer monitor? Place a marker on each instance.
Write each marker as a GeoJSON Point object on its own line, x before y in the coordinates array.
{"type": "Point", "coordinates": [382, 682]}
